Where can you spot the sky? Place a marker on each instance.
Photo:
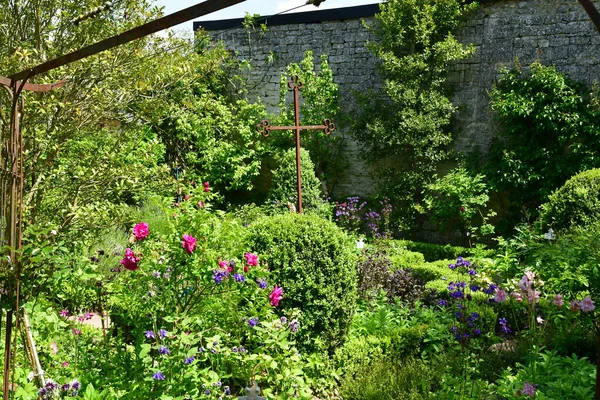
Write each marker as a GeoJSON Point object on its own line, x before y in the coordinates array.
{"type": "Point", "coordinates": [262, 7]}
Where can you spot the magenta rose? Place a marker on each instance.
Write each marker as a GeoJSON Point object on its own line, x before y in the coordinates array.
{"type": "Point", "coordinates": [189, 243]}
{"type": "Point", "coordinates": [251, 259]}
{"type": "Point", "coordinates": [141, 231]}
{"type": "Point", "coordinates": [276, 296]}
{"type": "Point", "coordinates": [130, 261]}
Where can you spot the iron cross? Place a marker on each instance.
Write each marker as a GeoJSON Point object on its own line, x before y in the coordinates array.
{"type": "Point", "coordinates": [265, 129]}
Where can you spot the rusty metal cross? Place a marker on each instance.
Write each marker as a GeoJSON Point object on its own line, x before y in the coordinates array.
{"type": "Point", "coordinates": [295, 85]}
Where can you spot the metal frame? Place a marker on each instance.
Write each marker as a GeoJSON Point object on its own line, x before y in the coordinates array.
{"type": "Point", "coordinates": [12, 158]}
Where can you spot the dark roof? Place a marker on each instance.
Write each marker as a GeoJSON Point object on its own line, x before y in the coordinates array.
{"type": "Point", "coordinates": [310, 17]}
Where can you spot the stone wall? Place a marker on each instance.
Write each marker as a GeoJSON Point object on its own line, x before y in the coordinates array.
{"type": "Point", "coordinates": [556, 32]}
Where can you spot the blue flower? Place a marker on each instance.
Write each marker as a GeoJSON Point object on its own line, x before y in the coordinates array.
{"type": "Point", "coordinates": [163, 350]}
{"type": "Point", "coordinates": [149, 335]}
{"type": "Point", "coordinates": [219, 275]}
{"type": "Point", "coordinates": [158, 376]}
{"type": "Point", "coordinates": [262, 283]}
{"type": "Point", "coordinates": [189, 360]}
{"type": "Point", "coordinates": [162, 333]}
{"type": "Point", "coordinates": [227, 391]}
{"type": "Point", "coordinates": [253, 322]}
{"type": "Point", "coordinates": [239, 278]}
{"type": "Point", "coordinates": [443, 303]}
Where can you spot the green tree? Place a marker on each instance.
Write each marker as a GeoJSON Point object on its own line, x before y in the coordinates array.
{"type": "Point", "coordinates": [408, 123]}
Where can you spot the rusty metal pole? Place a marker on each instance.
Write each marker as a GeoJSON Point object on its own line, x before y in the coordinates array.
{"type": "Point", "coordinates": [296, 89]}
{"type": "Point", "coordinates": [265, 128]}
{"type": "Point", "coordinates": [592, 11]}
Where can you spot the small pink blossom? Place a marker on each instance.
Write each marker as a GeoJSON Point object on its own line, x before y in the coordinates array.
{"type": "Point", "coordinates": [224, 264]}
{"type": "Point", "coordinates": [65, 364]}
{"type": "Point", "coordinates": [529, 389]}
{"type": "Point", "coordinates": [189, 243]}
{"type": "Point", "coordinates": [500, 296]}
{"type": "Point", "coordinates": [141, 231]}
{"type": "Point", "coordinates": [559, 300]}
{"type": "Point", "coordinates": [276, 296]}
{"type": "Point", "coordinates": [525, 283]}
{"type": "Point", "coordinates": [130, 261]}
{"type": "Point", "coordinates": [64, 313]}
{"type": "Point", "coordinates": [206, 187]}
{"type": "Point", "coordinates": [516, 296]}
{"type": "Point", "coordinates": [251, 259]}
{"type": "Point", "coordinates": [533, 296]}
{"type": "Point", "coordinates": [186, 197]}
{"type": "Point", "coordinates": [54, 347]}
{"type": "Point", "coordinates": [200, 204]}
{"type": "Point", "coordinates": [587, 304]}
{"type": "Point", "coordinates": [76, 331]}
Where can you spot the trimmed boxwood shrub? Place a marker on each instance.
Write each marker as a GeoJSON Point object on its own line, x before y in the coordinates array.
{"type": "Point", "coordinates": [576, 203]}
{"type": "Point", "coordinates": [435, 252]}
{"type": "Point", "coordinates": [406, 259]}
{"type": "Point", "coordinates": [314, 262]}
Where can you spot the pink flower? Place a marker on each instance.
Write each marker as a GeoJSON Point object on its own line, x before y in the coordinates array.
{"type": "Point", "coordinates": [226, 266]}
{"type": "Point", "coordinates": [206, 187]}
{"type": "Point", "coordinates": [558, 300]}
{"type": "Point", "coordinates": [587, 304]}
{"type": "Point", "coordinates": [575, 306]}
{"type": "Point", "coordinates": [200, 205]}
{"type": "Point", "coordinates": [130, 261]}
{"type": "Point", "coordinates": [529, 389]}
{"type": "Point", "coordinates": [186, 197]}
{"type": "Point", "coordinates": [76, 331]}
{"type": "Point", "coordinates": [189, 243]}
{"type": "Point", "coordinates": [516, 296]}
{"type": "Point", "coordinates": [251, 259]}
{"type": "Point", "coordinates": [141, 231]}
{"type": "Point", "coordinates": [525, 283]}
{"type": "Point", "coordinates": [54, 347]}
{"type": "Point", "coordinates": [276, 296]}
{"type": "Point", "coordinates": [500, 296]}
{"type": "Point", "coordinates": [65, 364]}
{"type": "Point", "coordinates": [64, 313]}
{"type": "Point", "coordinates": [533, 296]}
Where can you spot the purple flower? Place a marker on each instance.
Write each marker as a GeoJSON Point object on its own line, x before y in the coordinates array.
{"type": "Point", "coordinates": [207, 392]}
{"type": "Point", "coordinates": [189, 360]}
{"type": "Point", "coordinates": [477, 332]}
{"type": "Point", "coordinates": [163, 350]}
{"type": "Point", "coordinates": [253, 322]}
{"type": "Point", "coordinates": [75, 385]}
{"type": "Point", "coordinates": [443, 303]}
{"type": "Point", "coordinates": [149, 335]}
{"type": "Point", "coordinates": [65, 387]}
{"type": "Point", "coordinates": [529, 389]}
{"type": "Point", "coordinates": [219, 275]}
{"type": "Point", "coordinates": [158, 376]}
{"type": "Point", "coordinates": [156, 274]}
{"type": "Point", "coordinates": [474, 288]}
{"type": "Point", "coordinates": [226, 390]}
{"type": "Point", "coordinates": [235, 349]}
{"type": "Point", "coordinates": [239, 278]}
{"type": "Point", "coordinates": [64, 313]}
{"type": "Point", "coordinates": [294, 325]}
{"type": "Point", "coordinates": [162, 333]}
{"type": "Point", "coordinates": [262, 283]}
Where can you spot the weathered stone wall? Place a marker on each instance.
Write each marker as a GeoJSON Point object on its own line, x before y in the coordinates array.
{"type": "Point", "coordinates": [556, 32]}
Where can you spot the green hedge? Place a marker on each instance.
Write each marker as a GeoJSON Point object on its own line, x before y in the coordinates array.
{"type": "Point", "coordinates": [576, 203]}
{"type": "Point", "coordinates": [435, 252]}
{"type": "Point", "coordinates": [314, 261]}
{"type": "Point", "coordinates": [406, 259]}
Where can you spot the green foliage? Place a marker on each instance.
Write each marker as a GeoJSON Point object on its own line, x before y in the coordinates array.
{"type": "Point", "coordinates": [314, 262]}
{"type": "Point", "coordinates": [387, 380]}
{"type": "Point", "coordinates": [410, 120]}
{"type": "Point", "coordinates": [557, 378]}
{"type": "Point", "coordinates": [319, 101]}
{"type": "Point", "coordinates": [435, 252]}
{"type": "Point", "coordinates": [284, 183]}
{"type": "Point", "coordinates": [549, 128]}
{"type": "Point", "coordinates": [406, 259]}
{"type": "Point", "coordinates": [459, 200]}
{"type": "Point", "coordinates": [576, 203]}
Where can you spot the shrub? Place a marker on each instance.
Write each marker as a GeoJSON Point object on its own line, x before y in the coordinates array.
{"type": "Point", "coordinates": [373, 274]}
{"type": "Point", "coordinates": [435, 252]}
{"type": "Point", "coordinates": [284, 186]}
{"type": "Point", "coordinates": [406, 259]}
{"type": "Point", "coordinates": [314, 262]}
{"type": "Point", "coordinates": [576, 203]}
